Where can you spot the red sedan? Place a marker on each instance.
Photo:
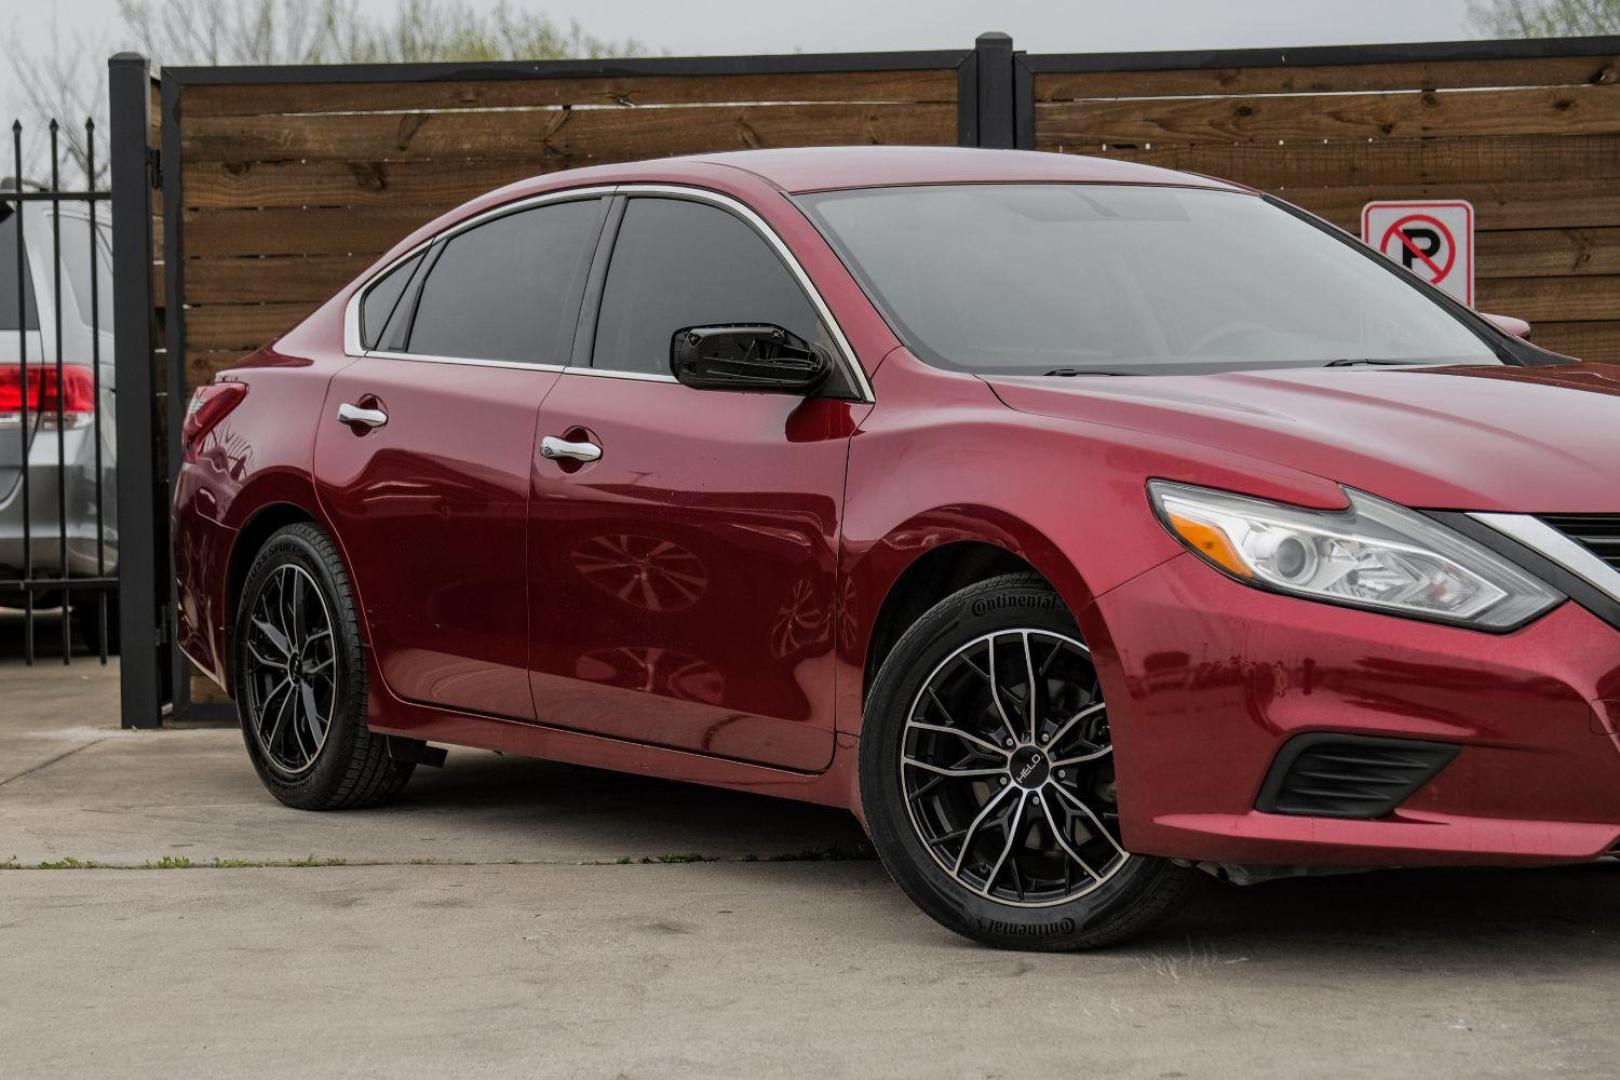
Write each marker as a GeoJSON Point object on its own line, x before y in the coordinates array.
{"type": "Point", "coordinates": [1078, 524]}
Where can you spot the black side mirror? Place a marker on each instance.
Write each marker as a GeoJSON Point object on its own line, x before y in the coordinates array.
{"type": "Point", "coordinates": [758, 357]}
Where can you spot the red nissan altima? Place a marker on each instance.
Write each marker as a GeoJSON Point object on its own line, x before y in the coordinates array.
{"type": "Point", "coordinates": [1079, 525]}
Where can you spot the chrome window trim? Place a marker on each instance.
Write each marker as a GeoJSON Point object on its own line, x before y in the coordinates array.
{"type": "Point", "coordinates": [351, 313]}
{"type": "Point", "coordinates": [607, 373]}
{"type": "Point", "coordinates": [461, 361]}
{"type": "Point", "coordinates": [1543, 539]}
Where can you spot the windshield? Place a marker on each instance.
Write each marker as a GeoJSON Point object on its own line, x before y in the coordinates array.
{"type": "Point", "coordinates": [1082, 278]}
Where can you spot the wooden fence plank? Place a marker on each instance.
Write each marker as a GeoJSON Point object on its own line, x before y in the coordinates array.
{"type": "Point", "coordinates": [368, 230]}
{"type": "Point", "coordinates": [295, 278]}
{"type": "Point", "coordinates": [899, 87]}
{"type": "Point", "coordinates": [1602, 69]}
{"type": "Point", "coordinates": [240, 326]}
{"type": "Point", "coordinates": [1391, 161]}
{"type": "Point", "coordinates": [1578, 110]}
{"type": "Point", "coordinates": [1595, 341]}
{"type": "Point", "coordinates": [202, 366]}
{"type": "Point", "coordinates": [219, 185]}
{"type": "Point", "coordinates": [561, 135]}
{"type": "Point", "coordinates": [1573, 299]}
{"type": "Point", "coordinates": [1548, 253]}
{"type": "Point", "coordinates": [1536, 205]}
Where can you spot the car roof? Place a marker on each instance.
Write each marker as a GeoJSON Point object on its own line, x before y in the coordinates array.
{"type": "Point", "coordinates": [820, 168]}
{"type": "Point", "coordinates": [826, 168]}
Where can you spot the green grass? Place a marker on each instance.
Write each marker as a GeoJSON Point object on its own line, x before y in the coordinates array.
{"type": "Point", "coordinates": [173, 862]}
{"type": "Point", "coordinates": [859, 853]}
{"type": "Point", "coordinates": [678, 857]}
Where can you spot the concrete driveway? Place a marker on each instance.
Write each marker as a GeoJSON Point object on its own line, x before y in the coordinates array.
{"type": "Point", "coordinates": [519, 918]}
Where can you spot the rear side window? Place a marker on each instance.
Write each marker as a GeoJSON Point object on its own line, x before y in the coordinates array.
{"type": "Point", "coordinates": [679, 263]}
{"type": "Point", "coordinates": [380, 302]}
{"type": "Point", "coordinates": [76, 261]}
{"type": "Point", "coordinates": [501, 290]}
{"type": "Point", "coordinates": [8, 277]}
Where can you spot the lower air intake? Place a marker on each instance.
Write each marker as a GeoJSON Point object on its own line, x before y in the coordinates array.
{"type": "Point", "coordinates": [1349, 776]}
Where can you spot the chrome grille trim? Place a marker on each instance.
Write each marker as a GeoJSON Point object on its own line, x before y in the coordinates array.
{"type": "Point", "coordinates": [1542, 538]}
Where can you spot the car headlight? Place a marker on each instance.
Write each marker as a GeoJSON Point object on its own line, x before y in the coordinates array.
{"type": "Point", "coordinates": [1374, 555]}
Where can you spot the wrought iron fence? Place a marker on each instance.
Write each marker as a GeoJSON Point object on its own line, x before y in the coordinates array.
{"type": "Point", "coordinates": [58, 533]}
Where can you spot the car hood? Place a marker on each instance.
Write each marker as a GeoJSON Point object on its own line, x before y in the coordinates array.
{"type": "Point", "coordinates": [1511, 439]}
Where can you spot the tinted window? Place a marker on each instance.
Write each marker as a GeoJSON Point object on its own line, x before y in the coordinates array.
{"type": "Point", "coordinates": [76, 257]}
{"type": "Point", "coordinates": [499, 290]}
{"type": "Point", "coordinates": [380, 301]}
{"type": "Point", "coordinates": [1028, 278]}
{"type": "Point", "coordinates": [8, 276]}
{"type": "Point", "coordinates": [678, 264]}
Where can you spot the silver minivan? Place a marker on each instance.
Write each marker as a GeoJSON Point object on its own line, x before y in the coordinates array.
{"type": "Point", "coordinates": [70, 433]}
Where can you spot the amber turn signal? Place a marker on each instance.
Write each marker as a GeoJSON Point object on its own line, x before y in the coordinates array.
{"type": "Point", "coordinates": [1210, 542]}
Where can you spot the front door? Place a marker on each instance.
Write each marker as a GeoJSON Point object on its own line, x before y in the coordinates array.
{"type": "Point", "coordinates": [427, 481]}
{"type": "Point", "coordinates": [683, 584]}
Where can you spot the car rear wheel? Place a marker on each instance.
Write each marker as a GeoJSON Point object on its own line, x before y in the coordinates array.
{"type": "Point", "coordinates": [300, 679]}
{"type": "Point", "coordinates": [987, 777]}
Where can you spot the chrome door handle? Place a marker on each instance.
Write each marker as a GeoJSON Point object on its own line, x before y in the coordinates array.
{"type": "Point", "coordinates": [354, 414]}
{"type": "Point", "coordinates": [553, 449]}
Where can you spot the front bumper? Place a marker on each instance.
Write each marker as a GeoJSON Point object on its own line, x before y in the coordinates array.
{"type": "Point", "coordinates": [1209, 679]}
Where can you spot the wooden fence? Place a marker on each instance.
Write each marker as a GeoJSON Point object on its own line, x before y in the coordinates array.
{"type": "Point", "coordinates": [287, 189]}
{"type": "Point", "coordinates": [285, 182]}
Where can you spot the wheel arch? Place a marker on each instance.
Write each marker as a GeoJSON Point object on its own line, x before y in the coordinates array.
{"type": "Point", "coordinates": [257, 528]}
{"type": "Point", "coordinates": [920, 563]}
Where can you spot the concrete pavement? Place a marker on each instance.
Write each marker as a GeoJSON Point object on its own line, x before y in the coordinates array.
{"type": "Point", "coordinates": [484, 926]}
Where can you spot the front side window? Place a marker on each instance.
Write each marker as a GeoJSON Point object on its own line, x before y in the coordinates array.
{"type": "Point", "coordinates": [8, 277]}
{"type": "Point", "coordinates": [1036, 278]}
{"type": "Point", "coordinates": [678, 264]}
{"type": "Point", "coordinates": [500, 290]}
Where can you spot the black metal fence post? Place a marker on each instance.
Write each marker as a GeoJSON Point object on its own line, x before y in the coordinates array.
{"type": "Point", "coordinates": [993, 53]}
{"type": "Point", "coordinates": [129, 107]}
{"type": "Point", "coordinates": [1023, 102]}
{"type": "Point", "coordinates": [175, 684]}
{"type": "Point", "coordinates": [967, 100]}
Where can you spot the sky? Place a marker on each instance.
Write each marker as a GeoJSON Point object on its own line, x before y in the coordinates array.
{"type": "Point", "coordinates": [712, 27]}
{"type": "Point", "coordinates": [717, 27]}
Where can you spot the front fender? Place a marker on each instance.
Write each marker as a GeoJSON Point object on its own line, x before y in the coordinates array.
{"type": "Point", "coordinates": [940, 459]}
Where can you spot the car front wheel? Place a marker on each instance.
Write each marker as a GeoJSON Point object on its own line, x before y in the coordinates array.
{"type": "Point", "coordinates": [300, 679]}
{"type": "Point", "coordinates": [987, 777]}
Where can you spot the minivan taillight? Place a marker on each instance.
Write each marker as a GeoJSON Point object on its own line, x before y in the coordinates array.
{"type": "Point", "coordinates": [74, 395]}
{"type": "Point", "coordinates": [209, 405]}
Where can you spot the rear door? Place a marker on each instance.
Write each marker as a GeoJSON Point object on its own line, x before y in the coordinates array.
{"type": "Point", "coordinates": [683, 585]}
{"type": "Point", "coordinates": [428, 482]}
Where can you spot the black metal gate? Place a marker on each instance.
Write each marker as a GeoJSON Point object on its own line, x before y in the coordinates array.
{"type": "Point", "coordinates": [58, 543]}
{"type": "Point", "coordinates": [82, 470]}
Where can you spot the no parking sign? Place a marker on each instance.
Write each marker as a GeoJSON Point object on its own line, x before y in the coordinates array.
{"type": "Point", "coordinates": [1434, 240]}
